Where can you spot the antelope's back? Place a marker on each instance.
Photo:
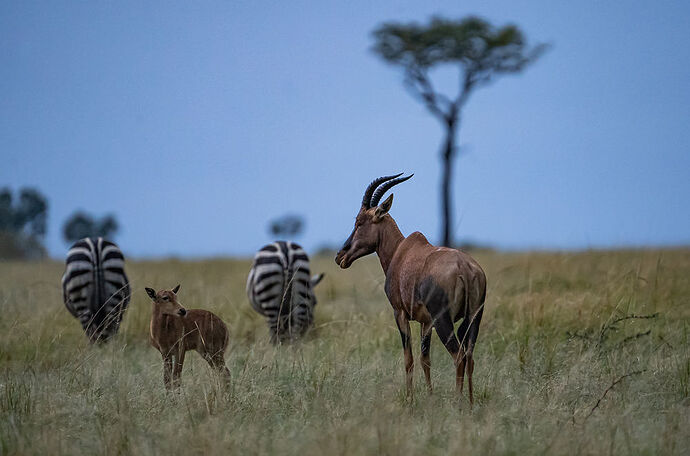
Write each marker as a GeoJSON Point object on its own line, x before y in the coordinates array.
{"type": "Point", "coordinates": [95, 287]}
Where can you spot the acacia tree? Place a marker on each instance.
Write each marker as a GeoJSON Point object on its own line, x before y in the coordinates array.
{"type": "Point", "coordinates": [481, 52]}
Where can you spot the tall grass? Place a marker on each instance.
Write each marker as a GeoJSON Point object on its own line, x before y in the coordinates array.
{"type": "Point", "coordinates": [549, 349]}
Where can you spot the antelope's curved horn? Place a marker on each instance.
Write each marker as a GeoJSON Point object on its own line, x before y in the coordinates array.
{"type": "Point", "coordinates": [366, 200]}
{"type": "Point", "coordinates": [385, 187]}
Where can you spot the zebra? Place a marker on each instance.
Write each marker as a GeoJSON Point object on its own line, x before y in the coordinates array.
{"type": "Point", "coordinates": [279, 287]}
{"type": "Point", "coordinates": [95, 287]}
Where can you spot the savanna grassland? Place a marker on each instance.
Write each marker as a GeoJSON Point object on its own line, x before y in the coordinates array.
{"type": "Point", "coordinates": [559, 367]}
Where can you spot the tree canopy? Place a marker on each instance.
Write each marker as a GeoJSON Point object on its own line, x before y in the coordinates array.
{"type": "Point", "coordinates": [80, 225]}
{"type": "Point", "coordinates": [481, 52]}
{"type": "Point", "coordinates": [22, 223]}
{"type": "Point", "coordinates": [286, 226]}
{"type": "Point", "coordinates": [480, 49]}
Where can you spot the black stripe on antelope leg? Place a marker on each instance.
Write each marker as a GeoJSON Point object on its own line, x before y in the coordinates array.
{"type": "Point", "coordinates": [426, 350]}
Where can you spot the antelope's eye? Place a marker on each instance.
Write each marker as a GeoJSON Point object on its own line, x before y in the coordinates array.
{"type": "Point", "coordinates": [165, 298]}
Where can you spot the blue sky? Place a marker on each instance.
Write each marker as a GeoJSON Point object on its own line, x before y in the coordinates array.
{"type": "Point", "coordinates": [198, 122]}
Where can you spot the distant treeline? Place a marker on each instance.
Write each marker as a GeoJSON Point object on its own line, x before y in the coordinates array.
{"type": "Point", "coordinates": [23, 225]}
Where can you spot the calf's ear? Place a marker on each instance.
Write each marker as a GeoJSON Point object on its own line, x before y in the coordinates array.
{"type": "Point", "coordinates": [151, 292]}
{"type": "Point", "coordinates": [176, 289]}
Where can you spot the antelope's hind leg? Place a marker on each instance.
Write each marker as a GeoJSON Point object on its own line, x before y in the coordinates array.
{"type": "Point", "coordinates": [426, 348]}
{"type": "Point", "coordinates": [472, 335]}
{"type": "Point", "coordinates": [463, 337]}
{"type": "Point", "coordinates": [444, 328]}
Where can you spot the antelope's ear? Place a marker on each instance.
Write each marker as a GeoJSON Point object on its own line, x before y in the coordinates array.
{"type": "Point", "coordinates": [383, 208]}
{"type": "Point", "coordinates": [151, 292]}
{"type": "Point", "coordinates": [315, 279]}
{"type": "Point", "coordinates": [176, 289]}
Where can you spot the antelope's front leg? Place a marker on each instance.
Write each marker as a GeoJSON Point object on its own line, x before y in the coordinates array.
{"type": "Point", "coordinates": [426, 348]}
{"type": "Point", "coordinates": [404, 328]}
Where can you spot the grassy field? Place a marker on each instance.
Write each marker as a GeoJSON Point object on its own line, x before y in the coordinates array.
{"type": "Point", "coordinates": [549, 351]}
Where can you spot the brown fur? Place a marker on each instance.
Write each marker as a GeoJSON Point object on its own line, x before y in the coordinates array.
{"type": "Point", "coordinates": [436, 286]}
{"type": "Point", "coordinates": [174, 331]}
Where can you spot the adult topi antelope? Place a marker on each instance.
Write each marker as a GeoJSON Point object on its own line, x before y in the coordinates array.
{"type": "Point", "coordinates": [175, 330]}
{"type": "Point", "coordinates": [436, 286]}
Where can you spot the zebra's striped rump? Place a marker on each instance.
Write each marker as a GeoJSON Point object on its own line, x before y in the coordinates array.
{"type": "Point", "coordinates": [279, 287]}
{"type": "Point", "coordinates": [95, 287]}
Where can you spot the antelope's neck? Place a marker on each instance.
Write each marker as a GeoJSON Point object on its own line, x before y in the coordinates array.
{"type": "Point", "coordinates": [390, 238]}
{"type": "Point", "coordinates": [156, 319]}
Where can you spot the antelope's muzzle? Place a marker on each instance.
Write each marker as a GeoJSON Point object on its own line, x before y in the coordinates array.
{"type": "Point", "coordinates": [341, 259]}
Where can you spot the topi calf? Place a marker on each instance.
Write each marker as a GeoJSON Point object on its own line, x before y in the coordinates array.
{"type": "Point", "coordinates": [175, 330]}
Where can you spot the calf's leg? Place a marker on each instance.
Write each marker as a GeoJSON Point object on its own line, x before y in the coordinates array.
{"type": "Point", "coordinates": [217, 362]}
{"type": "Point", "coordinates": [167, 370]}
{"type": "Point", "coordinates": [177, 368]}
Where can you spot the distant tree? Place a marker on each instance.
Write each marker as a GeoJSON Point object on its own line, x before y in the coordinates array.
{"type": "Point", "coordinates": [6, 211]}
{"type": "Point", "coordinates": [22, 225]}
{"type": "Point", "coordinates": [481, 51]}
{"type": "Point", "coordinates": [80, 225]}
{"type": "Point", "coordinates": [33, 211]}
{"type": "Point", "coordinates": [286, 226]}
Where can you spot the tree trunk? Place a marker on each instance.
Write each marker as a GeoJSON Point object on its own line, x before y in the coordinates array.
{"type": "Point", "coordinates": [448, 153]}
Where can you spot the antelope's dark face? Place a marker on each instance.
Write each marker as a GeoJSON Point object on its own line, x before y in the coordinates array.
{"type": "Point", "coordinates": [166, 301]}
{"type": "Point", "coordinates": [366, 234]}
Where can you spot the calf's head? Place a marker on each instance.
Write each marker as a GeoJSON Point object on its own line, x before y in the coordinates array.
{"type": "Point", "coordinates": [166, 301]}
{"type": "Point", "coordinates": [366, 235]}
